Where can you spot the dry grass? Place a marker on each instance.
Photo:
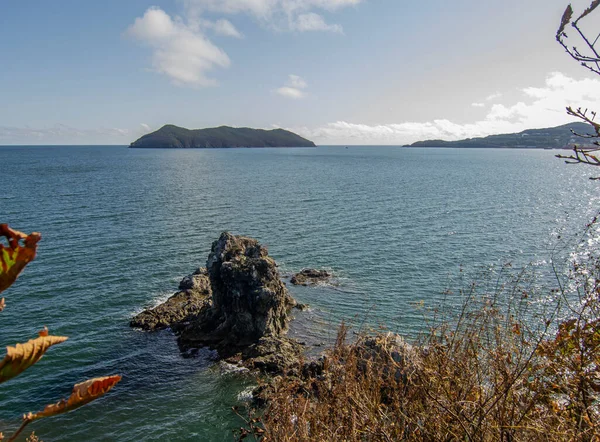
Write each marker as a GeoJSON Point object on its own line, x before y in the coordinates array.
{"type": "Point", "coordinates": [495, 373]}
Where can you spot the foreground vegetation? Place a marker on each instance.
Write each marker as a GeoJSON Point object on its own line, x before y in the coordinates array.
{"type": "Point", "coordinates": [498, 371]}
{"type": "Point", "coordinates": [16, 251]}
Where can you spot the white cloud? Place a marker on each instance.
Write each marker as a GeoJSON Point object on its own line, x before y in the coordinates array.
{"type": "Point", "coordinates": [155, 26]}
{"type": "Point", "coordinates": [145, 127]}
{"type": "Point", "coordinates": [314, 22]}
{"type": "Point", "coordinates": [493, 96]}
{"type": "Point", "coordinates": [297, 15]}
{"type": "Point", "coordinates": [260, 8]}
{"type": "Point", "coordinates": [223, 27]}
{"type": "Point", "coordinates": [180, 50]}
{"type": "Point", "coordinates": [290, 92]}
{"type": "Point", "coordinates": [542, 107]}
{"type": "Point", "coordinates": [296, 81]}
{"type": "Point", "coordinates": [478, 104]}
{"type": "Point", "coordinates": [294, 87]}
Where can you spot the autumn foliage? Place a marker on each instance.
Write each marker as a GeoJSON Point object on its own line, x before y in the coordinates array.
{"type": "Point", "coordinates": [82, 394]}
{"type": "Point", "coordinates": [19, 250]}
{"type": "Point", "coordinates": [22, 356]}
{"type": "Point", "coordinates": [14, 257]}
{"type": "Point", "coordinates": [487, 375]}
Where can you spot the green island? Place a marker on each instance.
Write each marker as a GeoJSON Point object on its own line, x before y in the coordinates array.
{"type": "Point", "coordinates": [171, 136]}
{"type": "Point", "coordinates": [559, 137]}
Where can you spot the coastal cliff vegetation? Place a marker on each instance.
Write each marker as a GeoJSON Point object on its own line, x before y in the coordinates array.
{"type": "Point", "coordinates": [549, 138]}
{"type": "Point", "coordinates": [498, 370]}
{"type": "Point", "coordinates": [171, 136]}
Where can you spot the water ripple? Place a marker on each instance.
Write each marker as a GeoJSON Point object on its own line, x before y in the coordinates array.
{"type": "Point", "coordinates": [121, 227]}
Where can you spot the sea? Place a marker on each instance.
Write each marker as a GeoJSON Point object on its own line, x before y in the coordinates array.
{"type": "Point", "coordinates": [400, 229]}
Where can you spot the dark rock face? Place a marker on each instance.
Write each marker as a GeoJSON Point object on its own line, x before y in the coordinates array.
{"type": "Point", "coordinates": [237, 306]}
{"type": "Point", "coordinates": [193, 297]}
{"type": "Point", "coordinates": [390, 353]}
{"type": "Point", "coordinates": [310, 276]}
{"type": "Point", "coordinates": [273, 354]}
{"type": "Point", "coordinates": [249, 300]}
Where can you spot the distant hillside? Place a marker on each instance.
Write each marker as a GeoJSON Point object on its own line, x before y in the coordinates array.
{"type": "Point", "coordinates": [218, 137]}
{"type": "Point", "coordinates": [549, 138]}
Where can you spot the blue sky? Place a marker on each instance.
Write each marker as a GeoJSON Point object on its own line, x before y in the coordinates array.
{"type": "Point", "coordinates": [336, 71]}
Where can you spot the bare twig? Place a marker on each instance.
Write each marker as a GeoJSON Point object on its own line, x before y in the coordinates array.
{"type": "Point", "coordinates": [26, 421]}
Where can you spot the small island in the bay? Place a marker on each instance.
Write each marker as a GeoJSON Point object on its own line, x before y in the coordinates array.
{"type": "Point", "coordinates": [559, 137]}
{"type": "Point", "coordinates": [170, 136]}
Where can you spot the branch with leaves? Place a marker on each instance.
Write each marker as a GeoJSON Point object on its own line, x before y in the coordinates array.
{"type": "Point", "coordinates": [83, 393]}
{"type": "Point", "coordinates": [20, 249]}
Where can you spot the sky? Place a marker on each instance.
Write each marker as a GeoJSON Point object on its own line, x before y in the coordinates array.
{"type": "Point", "coordinates": [335, 71]}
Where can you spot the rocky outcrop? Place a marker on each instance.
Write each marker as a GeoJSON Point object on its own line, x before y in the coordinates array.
{"type": "Point", "coordinates": [273, 354]}
{"type": "Point", "coordinates": [194, 295]}
{"type": "Point", "coordinates": [310, 277]}
{"type": "Point", "coordinates": [238, 306]}
{"type": "Point", "coordinates": [249, 300]}
{"type": "Point", "coordinates": [386, 355]}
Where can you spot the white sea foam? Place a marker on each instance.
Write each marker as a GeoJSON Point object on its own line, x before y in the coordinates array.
{"type": "Point", "coordinates": [156, 300]}
{"type": "Point", "coordinates": [227, 368]}
{"type": "Point", "coordinates": [246, 394]}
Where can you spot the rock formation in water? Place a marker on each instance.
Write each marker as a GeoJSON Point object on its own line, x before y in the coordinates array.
{"type": "Point", "coordinates": [249, 300]}
{"type": "Point", "coordinates": [245, 311]}
{"type": "Point", "coordinates": [193, 297]}
{"type": "Point", "coordinates": [310, 277]}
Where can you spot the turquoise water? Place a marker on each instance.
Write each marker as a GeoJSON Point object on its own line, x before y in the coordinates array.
{"type": "Point", "coordinates": [122, 226]}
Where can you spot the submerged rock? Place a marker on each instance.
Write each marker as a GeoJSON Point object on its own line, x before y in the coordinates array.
{"type": "Point", "coordinates": [193, 297]}
{"type": "Point", "coordinates": [310, 276]}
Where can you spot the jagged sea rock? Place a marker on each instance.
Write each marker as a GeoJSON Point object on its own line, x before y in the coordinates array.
{"type": "Point", "coordinates": [273, 354]}
{"type": "Point", "coordinates": [310, 277]}
{"type": "Point", "coordinates": [197, 281]}
{"type": "Point", "coordinates": [249, 300]}
{"type": "Point", "coordinates": [237, 306]}
{"type": "Point", "coordinates": [193, 297]}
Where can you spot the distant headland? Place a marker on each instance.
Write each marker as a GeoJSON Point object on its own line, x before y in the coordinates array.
{"type": "Point", "coordinates": [170, 136]}
{"type": "Point", "coordinates": [558, 137]}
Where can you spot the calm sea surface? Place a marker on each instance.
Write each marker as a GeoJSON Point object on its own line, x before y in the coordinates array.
{"type": "Point", "coordinates": [122, 226]}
